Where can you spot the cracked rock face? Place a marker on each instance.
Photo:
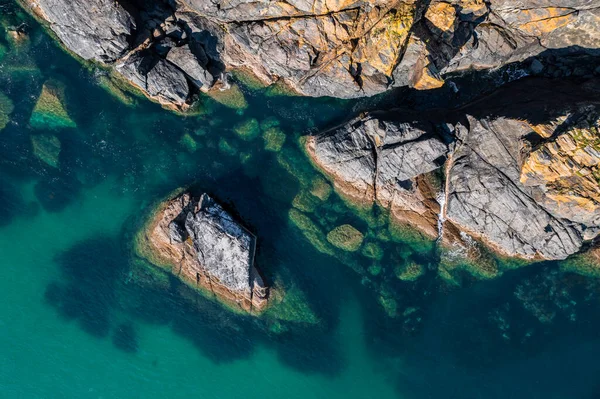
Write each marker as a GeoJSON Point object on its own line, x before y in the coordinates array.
{"type": "Point", "coordinates": [528, 191]}
{"type": "Point", "coordinates": [203, 245]}
{"type": "Point", "coordinates": [374, 159]}
{"type": "Point", "coordinates": [338, 48]}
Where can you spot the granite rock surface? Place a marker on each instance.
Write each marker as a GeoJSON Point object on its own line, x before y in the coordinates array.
{"type": "Point", "coordinates": [527, 190]}
{"type": "Point", "coordinates": [202, 244]}
{"type": "Point", "coordinates": [338, 48]}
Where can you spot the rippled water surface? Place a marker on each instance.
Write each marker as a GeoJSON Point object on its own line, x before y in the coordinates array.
{"type": "Point", "coordinates": [79, 320]}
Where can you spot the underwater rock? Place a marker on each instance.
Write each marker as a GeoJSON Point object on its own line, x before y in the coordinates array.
{"type": "Point", "coordinates": [6, 108]}
{"type": "Point", "coordinates": [523, 194]}
{"type": "Point", "coordinates": [232, 97]}
{"type": "Point", "coordinates": [274, 139]}
{"type": "Point", "coordinates": [49, 111]}
{"type": "Point", "coordinates": [200, 243]}
{"type": "Point", "coordinates": [345, 237]}
{"type": "Point", "coordinates": [46, 148]}
{"type": "Point", "coordinates": [318, 48]}
{"type": "Point", "coordinates": [247, 130]}
{"type": "Point", "coordinates": [409, 271]}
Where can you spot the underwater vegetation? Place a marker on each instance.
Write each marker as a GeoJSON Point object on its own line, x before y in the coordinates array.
{"type": "Point", "coordinates": [6, 108]}
{"type": "Point", "coordinates": [49, 111]}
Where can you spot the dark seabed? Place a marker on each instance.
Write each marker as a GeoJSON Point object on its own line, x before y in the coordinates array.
{"type": "Point", "coordinates": [80, 319]}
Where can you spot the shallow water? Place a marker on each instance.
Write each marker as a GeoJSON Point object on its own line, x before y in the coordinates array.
{"type": "Point", "coordinates": [75, 321]}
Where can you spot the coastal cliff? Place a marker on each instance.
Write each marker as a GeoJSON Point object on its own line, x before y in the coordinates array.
{"type": "Point", "coordinates": [528, 191]}
{"type": "Point", "coordinates": [173, 49]}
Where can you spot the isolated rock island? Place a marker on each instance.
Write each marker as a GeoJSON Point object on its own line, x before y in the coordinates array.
{"type": "Point", "coordinates": [195, 239]}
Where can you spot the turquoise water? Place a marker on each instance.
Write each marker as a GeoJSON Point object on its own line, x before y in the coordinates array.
{"type": "Point", "coordinates": [78, 321]}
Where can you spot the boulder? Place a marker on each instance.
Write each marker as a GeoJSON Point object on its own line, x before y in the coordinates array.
{"type": "Point", "coordinates": [202, 244]}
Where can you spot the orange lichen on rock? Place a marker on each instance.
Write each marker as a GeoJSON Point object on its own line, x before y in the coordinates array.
{"type": "Point", "coordinates": [442, 16]}
{"type": "Point", "coordinates": [568, 169]}
{"type": "Point", "coordinates": [540, 21]}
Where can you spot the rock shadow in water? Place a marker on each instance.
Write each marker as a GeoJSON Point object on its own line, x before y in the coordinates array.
{"type": "Point", "coordinates": [90, 269]}
{"type": "Point", "coordinates": [56, 191]}
{"type": "Point", "coordinates": [11, 203]}
{"type": "Point", "coordinates": [125, 337]}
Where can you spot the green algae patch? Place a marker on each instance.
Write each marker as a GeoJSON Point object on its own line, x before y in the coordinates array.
{"type": "Point", "coordinates": [274, 139]}
{"type": "Point", "coordinates": [311, 231]}
{"type": "Point", "coordinates": [188, 142]}
{"type": "Point", "coordinates": [231, 98]}
{"type": "Point", "coordinates": [269, 123]}
{"type": "Point", "coordinates": [388, 303]}
{"type": "Point", "coordinates": [49, 111]}
{"type": "Point", "coordinates": [586, 264]}
{"type": "Point", "coordinates": [46, 148]}
{"type": "Point", "coordinates": [305, 202]}
{"type": "Point", "coordinates": [280, 89]}
{"type": "Point", "coordinates": [345, 237]}
{"type": "Point", "coordinates": [115, 88]}
{"type": "Point", "coordinates": [473, 258]}
{"type": "Point", "coordinates": [291, 306]}
{"type": "Point", "coordinates": [412, 237]}
{"type": "Point", "coordinates": [320, 188]}
{"type": "Point", "coordinates": [6, 108]}
{"type": "Point", "coordinates": [375, 269]}
{"type": "Point", "coordinates": [410, 271]}
{"type": "Point", "coordinates": [247, 130]}
{"type": "Point", "coordinates": [226, 148]}
{"type": "Point", "coordinates": [293, 162]}
{"type": "Point", "coordinates": [372, 250]}
{"type": "Point", "coordinates": [248, 79]}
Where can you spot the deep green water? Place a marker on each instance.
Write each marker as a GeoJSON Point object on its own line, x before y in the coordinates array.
{"type": "Point", "coordinates": [76, 321]}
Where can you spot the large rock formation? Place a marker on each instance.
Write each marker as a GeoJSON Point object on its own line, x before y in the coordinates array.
{"type": "Point", "coordinates": [528, 190]}
{"type": "Point", "coordinates": [170, 49]}
{"type": "Point", "coordinates": [200, 243]}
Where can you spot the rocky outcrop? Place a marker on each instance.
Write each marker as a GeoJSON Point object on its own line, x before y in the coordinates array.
{"type": "Point", "coordinates": [201, 243]}
{"type": "Point", "coordinates": [376, 159]}
{"type": "Point", "coordinates": [527, 190]}
{"type": "Point", "coordinates": [170, 49]}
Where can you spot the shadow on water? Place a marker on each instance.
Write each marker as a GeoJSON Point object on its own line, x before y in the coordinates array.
{"type": "Point", "coordinates": [125, 337]}
{"type": "Point", "coordinates": [531, 321]}
{"type": "Point", "coordinates": [11, 203]}
{"type": "Point", "coordinates": [90, 269]}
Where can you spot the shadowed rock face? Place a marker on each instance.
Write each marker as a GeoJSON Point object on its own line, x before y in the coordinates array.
{"type": "Point", "coordinates": [527, 190]}
{"type": "Point", "coordinates": [204, 246]}
{"type": "Point", "coordinates": [339, 48]}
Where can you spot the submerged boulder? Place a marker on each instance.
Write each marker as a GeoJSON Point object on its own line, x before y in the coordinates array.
{"type": "Point", "coordinates": [202, 244]}
{"type": "Point", "coordinates": [49, 111]}
{"type": "Point", "coordinates": [6, 108]}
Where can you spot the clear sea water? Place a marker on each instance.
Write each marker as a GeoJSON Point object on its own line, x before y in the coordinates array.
{"type": "Point", "coordinates": [75, 324]}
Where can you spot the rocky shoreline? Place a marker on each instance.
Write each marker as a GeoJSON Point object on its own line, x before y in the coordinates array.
{"type": "Point", "coordinates": [528, 191]}
{"type": "Point", "coordinates": [526, 186]}
{"type": "Point", "coordinates": [172, 50]}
